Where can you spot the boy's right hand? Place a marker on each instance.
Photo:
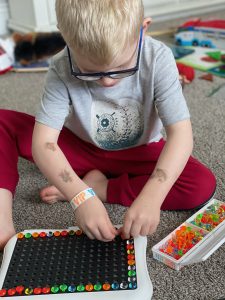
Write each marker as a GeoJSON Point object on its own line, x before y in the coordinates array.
{"type": "Point", "coordinates": [93, 219]}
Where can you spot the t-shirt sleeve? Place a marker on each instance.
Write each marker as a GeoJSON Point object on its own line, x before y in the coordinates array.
{"type": "Point", "coordinates": [168, 95]}
{"type": "Point", "coordinates": [55, 102]}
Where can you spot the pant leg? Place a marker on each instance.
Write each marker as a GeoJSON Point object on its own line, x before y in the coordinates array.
{"type": "Point", "coordinates": [16, 130]}
{"type": "Point", "coordinates": [15, 139]}
{"type": "Point", "coordinates": [195, 186]}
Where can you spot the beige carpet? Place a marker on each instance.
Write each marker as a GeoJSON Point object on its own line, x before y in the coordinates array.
{"type": "Point", "coordinates": [202, 281]}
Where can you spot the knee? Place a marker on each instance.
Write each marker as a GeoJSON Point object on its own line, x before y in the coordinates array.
{"type": "Point", "coordinates": [195, 186]}
{"type": "Point", "coordinates": [204, 185]}
{"type": "Point", "coordinates": [5, 116]}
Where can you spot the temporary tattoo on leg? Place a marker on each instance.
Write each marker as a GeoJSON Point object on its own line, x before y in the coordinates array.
{"type": "Point", "coordinates": [51, 146]}
{"type": "Point", "coordinates": [65, 175]}
{"type": "Point", "coordinates": [160, 175]}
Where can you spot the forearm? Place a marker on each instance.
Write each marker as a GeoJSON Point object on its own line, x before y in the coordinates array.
{"type": "Point", "coordinates": [52, 162]}
{"type": "Point", "coordinates": [54, 165]}
{"type": "Point", "coordinates": [170, 164]}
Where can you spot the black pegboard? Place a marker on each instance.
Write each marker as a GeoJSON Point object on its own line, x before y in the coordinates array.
{"type": "Point", "coordinates": [72, 260]}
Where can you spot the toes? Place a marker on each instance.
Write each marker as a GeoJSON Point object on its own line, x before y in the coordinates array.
{"type": "Point", "coordinates": [44, 192]}
{"type": "Point", "coordinates": [49, 199]}
{"type": "Point", "coordinates": [53, 198]}
{"type": "Point", "coordinates": [51, 194]}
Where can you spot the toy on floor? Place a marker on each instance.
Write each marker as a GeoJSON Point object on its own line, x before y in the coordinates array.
{"type": "Point", "coordinates": [194, 240]}
{"type": "Point", "coordinates": [36, 46]}
{"type": "Point", "coordinates": [186, 73]}
{"type": "Point", "coordinates": [44, 264]}
{"type": "Point", "coordinates": [209, 33]}
{"type": "Point", "coordinates": [208, 77]}
{"type": "Point", "coordinates": [179, 52]}
{"type": "Point", "coordinates": [29, 52]}
{"type": "Point", "coordinates": [216, 56]}
{"type": "Point", "coordinates": [211, 61]}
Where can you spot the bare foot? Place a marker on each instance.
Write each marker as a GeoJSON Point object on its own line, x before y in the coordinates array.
{"type": "Point", "coordinates": [50, 195]}
{"type": "Point", "coordinates": [6, 222]}
{"type": "Point", "coordinates": [98, 181]}
{"type": "Point", "coordinates": [94, 179]}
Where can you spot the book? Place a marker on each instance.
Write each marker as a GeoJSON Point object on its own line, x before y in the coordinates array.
{"type": "Point", "coordinates": [41, 66]}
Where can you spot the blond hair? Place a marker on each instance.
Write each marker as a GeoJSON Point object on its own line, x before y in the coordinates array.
{"type": "Point", "coordinates": [99, 29]}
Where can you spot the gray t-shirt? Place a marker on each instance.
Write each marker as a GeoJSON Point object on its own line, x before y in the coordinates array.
{"type": "Point", "coordinates": [126, 115]}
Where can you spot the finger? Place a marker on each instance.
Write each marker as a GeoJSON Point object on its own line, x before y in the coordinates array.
{"type": "Point", "coordinates": [107, 233]}
{"type": "Point", "coordinates": [119, 231]}
{"type": "Point", "coordinates": [90, 235]}
{"type": "Point", "coordinates": [135, 229]}
{"type": "Point", "coordinates": [87, 232]}
{"type": "Point", "coordinates": [152, 229]}
{"type": "Point", "coordinates": [126, 228]}
{"type": "Point", "coordinates": [96, 233]}
{"type": "Point", "coordinates": [113, 229]}
{"type": "Point", "coordinates": [145, 229]}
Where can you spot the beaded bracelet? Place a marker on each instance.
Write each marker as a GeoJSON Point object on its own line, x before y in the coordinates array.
{"type": "Point", "coordinates": [82, 197]}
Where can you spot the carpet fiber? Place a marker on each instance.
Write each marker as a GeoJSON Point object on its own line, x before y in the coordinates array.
{"type": "Point", "coordinates": [202, 281]}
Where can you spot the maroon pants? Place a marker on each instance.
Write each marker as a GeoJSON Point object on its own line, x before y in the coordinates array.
{"type": "Point", "coordinates": [127, 170]}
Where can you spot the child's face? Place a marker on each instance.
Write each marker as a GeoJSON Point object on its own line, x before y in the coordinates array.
{"type": "Point", "coordinates": [126, 60]}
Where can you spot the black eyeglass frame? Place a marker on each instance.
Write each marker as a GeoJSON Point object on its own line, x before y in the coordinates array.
{"type": "Point", "coordinates": [132, 71]}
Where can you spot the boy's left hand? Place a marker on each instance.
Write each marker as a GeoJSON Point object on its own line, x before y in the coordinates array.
{"type": "Point", "coordinates": [142, 218]}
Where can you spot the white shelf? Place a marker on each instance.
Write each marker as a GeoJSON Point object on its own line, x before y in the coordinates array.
{"type": "Point", "coordinates": [39, 15]}
{"type": "Point", "coordinates": [162, 10]}
{"type": "Point", "coordinates": [4, 14]}
{"type": "Point", "coordinates": [32, 15]}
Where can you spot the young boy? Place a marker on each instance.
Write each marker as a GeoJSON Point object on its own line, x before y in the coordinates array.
{"type": "Point", "coordinates": [113, 88]}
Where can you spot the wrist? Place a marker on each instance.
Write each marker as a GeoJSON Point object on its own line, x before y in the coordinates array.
{"type": "Point", "coordinates": [81, 197]}
{"type": "Point", "coordinates": [150, 199]}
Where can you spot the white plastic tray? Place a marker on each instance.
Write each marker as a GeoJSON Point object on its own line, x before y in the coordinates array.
{"type": "Point", "coordinates": [201, 251]}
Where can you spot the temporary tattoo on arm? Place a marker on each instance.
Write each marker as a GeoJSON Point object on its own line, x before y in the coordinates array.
{"type": "Point", "coordinates": [65, 175]}
{"type": "Point", "coordinates": [51, 146]}
{"type": "Point", "coordinates": [160, 175]}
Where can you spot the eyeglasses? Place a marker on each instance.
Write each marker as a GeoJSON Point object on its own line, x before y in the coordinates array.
{"type": "Point", "coordinates": [114, 75]}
